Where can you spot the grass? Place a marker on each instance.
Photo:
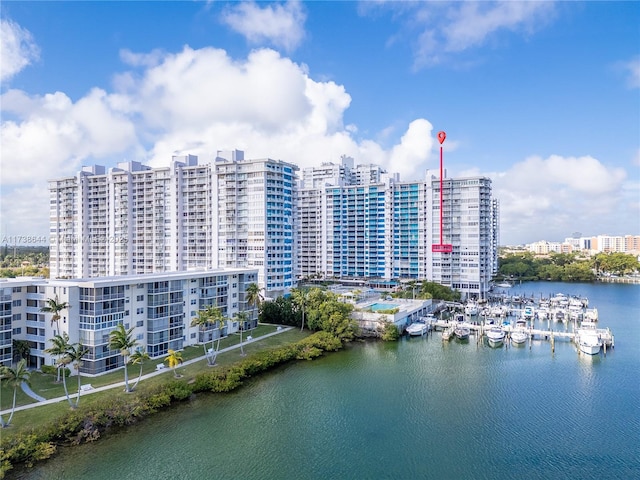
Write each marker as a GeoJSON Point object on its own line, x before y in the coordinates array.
{"type": "Point", "coordinates": [27, 419]}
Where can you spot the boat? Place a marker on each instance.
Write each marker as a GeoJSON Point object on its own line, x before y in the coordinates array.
{"type": "Point", "coordinates": [446, 334]}
{"type": "Point", "coordinates": [462, 332]}
{"type": "Point", "coordinates": [589, 341]}
{"type": "Point", "coordinates": [417, 329]}
{"type": "Point", "coordinates": [495, 336]}
{"type": "Point", "coordinates": [528, 313]}
{"type": "Point", "coordinates": [518, 337]}
{"type": "Point", "coordinates": [471, 309]}
{"type": "Point", "coordinates": [504, 285]}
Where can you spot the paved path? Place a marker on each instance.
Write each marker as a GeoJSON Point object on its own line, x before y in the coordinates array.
{"type": "Point", "coordinates": [26, 389]}
{"type": "Point", "coordinates": [148, 375]}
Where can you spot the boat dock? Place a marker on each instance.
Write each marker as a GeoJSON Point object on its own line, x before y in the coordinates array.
{"type": "Point", "coordinates": [478, 328]}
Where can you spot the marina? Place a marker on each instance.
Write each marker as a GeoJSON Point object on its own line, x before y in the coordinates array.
{"type": "Point", "coordinates": [519, 320]}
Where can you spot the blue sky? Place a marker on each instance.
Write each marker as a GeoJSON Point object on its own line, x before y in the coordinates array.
{"type": "Point", "coordinates": [543, 97]}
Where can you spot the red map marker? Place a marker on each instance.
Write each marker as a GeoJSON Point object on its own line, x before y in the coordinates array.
{"type": "Point", "coordinates": [441, 137]}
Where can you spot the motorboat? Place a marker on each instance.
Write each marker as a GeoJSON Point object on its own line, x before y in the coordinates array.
{"type": "Point", "coordinates": [495, 336]}
{"type": "Point", "coordinates": [518, 337]}
{"type": "Point", "coordinates": [446, 333]}
{"type": "Point", "coordinates": [504, 285]}
{"type": "Point", "coordinates": [471, 309]}
{"type": "Point", "coordinates": [462, 332]}
{"type": "Point", "coordinates": [528, 313]}
{"type": "Point", "coordinates": [417, 329]}
{"type": "Point", "coordinates": [588, 340]}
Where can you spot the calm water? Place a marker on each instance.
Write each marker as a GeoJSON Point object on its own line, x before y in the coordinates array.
{"type": "Point", "coordinates": [411, 410]}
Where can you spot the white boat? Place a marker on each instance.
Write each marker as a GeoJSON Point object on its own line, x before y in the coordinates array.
{"type": "Point", "coordinates": [417, 329]}
{"type": "Point", "coordinates": [495, 336]}
{"type": "Point", "coordinates": [589, 341]}
{"type": "Point", "coordinates": [518, 337]}
{"type": "Point", "coordinates": [471, 309]}
{"type": "Point", "coordinates": [446, 334]}
{"type": "Point", "coordinates": [462, 332]}
{"type": "Point", "coordinates": [528, 313]}
{"type": "Point", "coordinates": [591, 315]}
{"type": "Point", "coordinates": [504, 285]}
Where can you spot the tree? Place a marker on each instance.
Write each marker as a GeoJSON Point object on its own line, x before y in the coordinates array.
{"type": "Point", "coordinates": [138, 358]}
{"type": "Point", "coordinates": [389, 332]}
{"type": "Point", "coordinates": [173, 360]}
{"type": "Point", "coordinates": [58, 350]}
{"type": "Point", "coordinates": [299, 298]}
{"type": "Point", "coordinates": [122, 339]}
{"type": "Point", "coordinates": [74, 355]}
{"type": "Point", "coordinates": [21, 349]}
{"type": "Point", "coordinates": [54, 306]}
{"type": "Point", "coordinates": [241, 317]}
{"type": "Point", "coordinates": [206, 319]}
{"type": "Point", "coordinates": [13, 377]}
{"type": "Point", "coordinates": [253, 296]}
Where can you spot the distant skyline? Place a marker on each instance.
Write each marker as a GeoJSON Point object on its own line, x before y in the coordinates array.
{"type": "Point", "coordinates": [543, 97]}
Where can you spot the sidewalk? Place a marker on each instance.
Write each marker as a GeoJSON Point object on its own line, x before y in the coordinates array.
{"type": "Point", "coordinates": [148, 375]}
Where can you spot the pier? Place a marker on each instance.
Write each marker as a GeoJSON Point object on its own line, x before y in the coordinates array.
{"type": "Point", "coordinates": [447, 327]}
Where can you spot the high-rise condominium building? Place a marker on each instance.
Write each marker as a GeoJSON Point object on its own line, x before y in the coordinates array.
{"type": "Point", "coordinates": [469, 225]}
{"type": "Point", "coordinates": [134, 219]}
{"type": "Point", "coordinates": [378, 227]}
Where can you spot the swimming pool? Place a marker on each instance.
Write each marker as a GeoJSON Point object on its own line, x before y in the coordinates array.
{"type": "Point", "coordinates": [383, 306]}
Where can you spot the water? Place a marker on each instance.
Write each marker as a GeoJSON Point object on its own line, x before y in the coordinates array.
{"type": "Point", "coordinates": [410, 410]}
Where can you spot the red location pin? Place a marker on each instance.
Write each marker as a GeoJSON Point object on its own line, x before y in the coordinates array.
{"type": "Point", "coordinates": [441, 137]}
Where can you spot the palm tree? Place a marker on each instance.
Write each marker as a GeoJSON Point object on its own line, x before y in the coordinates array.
{"type": "Point", "coordinates": [300, 300]}
{"type": "Point", "coordinates": [53, 305]}
{"type": "Point", "coordinates": [215, 314]}
{"type": "Point", "coordinates": [241, 318]}
{"type": "Point", "coordinates": [253, 296]}
{"type": "Point", "coordinates": [59, 348]}
{"type": "Point", "coordinates": [21, 349]}
{"type": "Point", "coordinates": [204, 319]}
{"type": "Point", "coordinates": [13, 377]}
{"type": "Point", "coordinates": [138, 358]}
{"type": "Point", "coordinates": [74, 355]}
{"type": "Point", "coordinates": [122, 339]}
{"type": "Point", "coordinates": [174, 359]}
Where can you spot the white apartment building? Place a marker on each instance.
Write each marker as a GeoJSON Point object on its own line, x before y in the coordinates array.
{"type": "Point", "coordinates": [159, 307]}
{"type": "Point", "coordinates": [469, 226]}
{"type": "Point", "coordinates": [133, 219]}
{"type": "Point", "coordinates": [384, 229]}
{"type": "Point", "coordinates": [255, 215]}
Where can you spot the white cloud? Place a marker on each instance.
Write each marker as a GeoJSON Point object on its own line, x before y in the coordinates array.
{"type": "Point", "coordinates": [551, 198]}
{"type": "Point", "coordinates": [445, 29]}
{"type": "Point", "coordinates": [632, 69]}
{"type": "Point", "coordinates": [54, 135]}
{"type": "Point", "coordinates": [281, 25]}
{"type": "Point", "coordinates": [18, 49]}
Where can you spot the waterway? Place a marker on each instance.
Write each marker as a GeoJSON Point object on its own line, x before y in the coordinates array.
{"type": "Point", "coordinates": [416, 409]}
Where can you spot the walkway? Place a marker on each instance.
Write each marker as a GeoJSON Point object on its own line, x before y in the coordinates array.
{"type": "Point", "coordinates": [26, 389]}
{"type": "Point", "coordinates": [43, 401]}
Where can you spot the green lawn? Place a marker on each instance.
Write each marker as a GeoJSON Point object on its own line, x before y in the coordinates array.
{"type": "Point", "coordinates": [45, 385]}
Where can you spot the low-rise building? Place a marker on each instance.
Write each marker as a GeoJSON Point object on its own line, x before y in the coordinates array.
{"type": "Point", "coordinates": [159, 307]}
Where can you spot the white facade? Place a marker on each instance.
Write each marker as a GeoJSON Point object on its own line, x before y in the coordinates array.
{"type": "Point", "coordinates": [136, 220]}
{"type": "Point", "coordinates": [378, 227]}
{"type": "Point", "coordinates": [469, 226]}
{"type": "Point", "coordinates": [160, 308]}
